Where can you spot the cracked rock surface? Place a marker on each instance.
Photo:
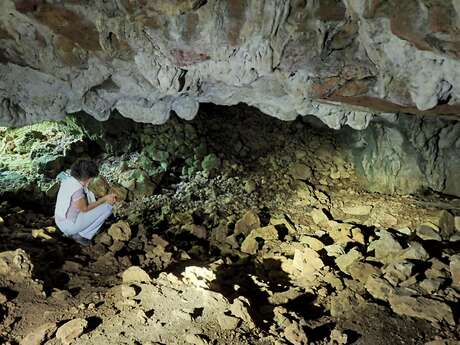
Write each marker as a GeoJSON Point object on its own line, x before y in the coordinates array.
{"type": "Point", "coordinates": [344, 61]}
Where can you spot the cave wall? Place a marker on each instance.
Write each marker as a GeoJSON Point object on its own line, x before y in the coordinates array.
{"type": "Point", "coordinates": [342, 61]}
{"type": "Point", "coordinates": [407, 155]}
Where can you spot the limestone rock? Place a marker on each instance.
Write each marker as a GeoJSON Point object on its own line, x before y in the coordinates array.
{"type": "Point", "coordinates": [358, 236]}
{"type": "Point", "coordinates": [307, 262]}
{"type": "Point", "coordinates": [120, 231]}
{"type": "Point", "coordinates": [338, 337]}
{"type": "Point", "coordinates": [99, 186]}
{"type": "Point", "coordinates": [457, 223]}
{"type": "Point", "coordinates": [16, 264]}
{"type": "Point", "coordinates": [228, 322]}
{"type": "Point", "coordinates": [398, 272]}
{"type": "Point", "coordinates": [40, 233]}
{"type": "Point", "coordinates": [334, 250]}
{"type": "Point", "coordinates": [312, 242]}
{"type": "Point", "coordinates": [300, 171]}
{"type": "Point", "coordinates": [135, 274]}
{"type": "Point", "coordinates": [443, 221]}
{"type": "Point", "coordinates": [198, 276]}
{"type": "Point", "coordinates": [431, 285]}
{"type": "Point", "coordinates": [248, 222]}
{"type": "Point", "coordinates": [427, 233]}
{"type": "Point", "coordinates": [455, 270]}
{"type": "Point", "coordinates": [422, 308]}
{"type": "Point", "coordinates": [361, 271]}
{"type": "Point", "coordinates": [346, 260]}
{"type": "Point", "coordinates": [122, 71]}
{"type": "Point", "coordinates": [359, 210]}
{"type": "Point", "coordinates": [345, 301]}
{"type": "Point", "coordinates": [250, 244]}
{"type": "Point", "coordinates": [438, 269]}
{"type": "Point", "coordinates": [379, 288]}
{"type": "Point", "coordinates": [119, 191]}
{"type": "Point", "coordinates": [240, 308]}
{"type": "Point", "coordinates": [386, 247]}
{"type": "Point", "coordinates": [71, 330]}
{"type": "Point", "coordinates": [295, 334]}
{"type": "Point", "coordinates": [196, 339]}
{"type": "Point", "coordinates": [40, 334]}
{"type": "Point", "coordinates": [137, 182]}
{"type": "Point", "coordinates": [198, 231]}
{"type": "Point", "coordinates": [128, 291]}
{"type": "Point", "coordinates": [415, 251]}
{"type": "Point", "coordinates": [319, 216]}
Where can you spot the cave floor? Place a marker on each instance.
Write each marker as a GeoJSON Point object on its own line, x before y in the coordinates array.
{"type": "Point", "coordinates": [310, 277]}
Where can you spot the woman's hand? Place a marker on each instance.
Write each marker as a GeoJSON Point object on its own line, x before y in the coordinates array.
{"type": "Point", "coordinates": [110, 198]}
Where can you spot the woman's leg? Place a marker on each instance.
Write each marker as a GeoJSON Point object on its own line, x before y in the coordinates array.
{"type": "Point", "coordinates": [88, 223]}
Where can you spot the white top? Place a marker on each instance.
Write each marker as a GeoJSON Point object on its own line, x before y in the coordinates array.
{"type": "Point", "coordinates": [69, 185]}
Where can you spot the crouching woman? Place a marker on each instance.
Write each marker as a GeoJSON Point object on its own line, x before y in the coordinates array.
{"type": "Point", "coordinates": [74, 215]}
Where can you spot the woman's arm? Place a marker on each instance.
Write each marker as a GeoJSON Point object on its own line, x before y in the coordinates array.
{"type": "Point", "coordinates": [83, 206]}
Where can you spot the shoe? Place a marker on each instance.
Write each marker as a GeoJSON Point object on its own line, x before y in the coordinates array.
{"type": "Point", "coordinates": [81, 240]}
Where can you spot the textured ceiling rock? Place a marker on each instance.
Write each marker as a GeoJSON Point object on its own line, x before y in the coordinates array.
{"type": "Point", "coordinates": [343, 61]}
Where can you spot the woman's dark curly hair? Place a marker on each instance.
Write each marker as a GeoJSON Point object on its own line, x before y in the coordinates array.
{"type": "Point", "coordinates": [84, 169]}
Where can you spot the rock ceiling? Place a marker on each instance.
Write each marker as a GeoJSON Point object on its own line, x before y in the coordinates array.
{"type": "Point", "coordinates": [342, 61]}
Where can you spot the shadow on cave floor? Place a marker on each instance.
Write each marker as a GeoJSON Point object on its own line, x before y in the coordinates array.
{"type": "Point", "coordinates": [50, 255]}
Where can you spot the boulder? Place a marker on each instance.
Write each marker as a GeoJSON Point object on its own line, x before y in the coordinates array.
{"type": "Point", "coordinates": [319, 216]}
{"type": "Point", "coordinates": [248, 222]}
{"type": "Point", "coordinates": [386, 247]}
{"type": "Point", "coordinates": [312, 242]}
{"type": "Point", "coordinates": [240, 308]}
{"type": "Point", "coordinates": [119, 191]}
{"type": "Point", "coordinates": [16, 264]}
{"type": "Point", "coordinates": [346, 260]}
{"type": "Point", "coordinates": [414, 251]}
{"type": "Point", "coordinates": [250, 244]}
{"type": "Point", "coordinates": [428, 233]}
{"type": "Point", "coordinates": [39, 335]}
{"type": "Point", "coordinates": [71, 330]}
{"type": "Point", "coordinates": [198, 276]}
{"type": "Point", "coordinates": [198, 230]}
{"type": "Point", "coordinates": [422, 308]}
{"type": "Point", "coordinates": [361, 271]}
{"type": "Point", "coordinates": [228, 322]}
{"type": "Point", "coordinates": [135, 274]}
{"type": "Point", "coordinates": [307, 262]}
{"type": "Point", "coordinates": [431, 285]}
{"type": "Point", "coordinates": [300, 171]}
{"type": "Point", "coordinates": [358, 210]}
{"type": "Point", "coordinates": [444, 221]}
{"type": "Point", "coordinates": [120, 231]}
{"type": "Point", "coordinates": [398, 272]}
{"type": "Point", "coordinates": [455, 270]}
{"type": "Point", "coordinates": [138, 182]}
{"type": "Point", "coordinates": [99, 186]}
{"type": "Point", "coordinates": [438, 269]}
{"type": "Point", "coordinates": [379, 288]}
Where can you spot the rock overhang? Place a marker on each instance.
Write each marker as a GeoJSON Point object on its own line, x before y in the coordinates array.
{"type": "Point", "coordinates": [342, 61]}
